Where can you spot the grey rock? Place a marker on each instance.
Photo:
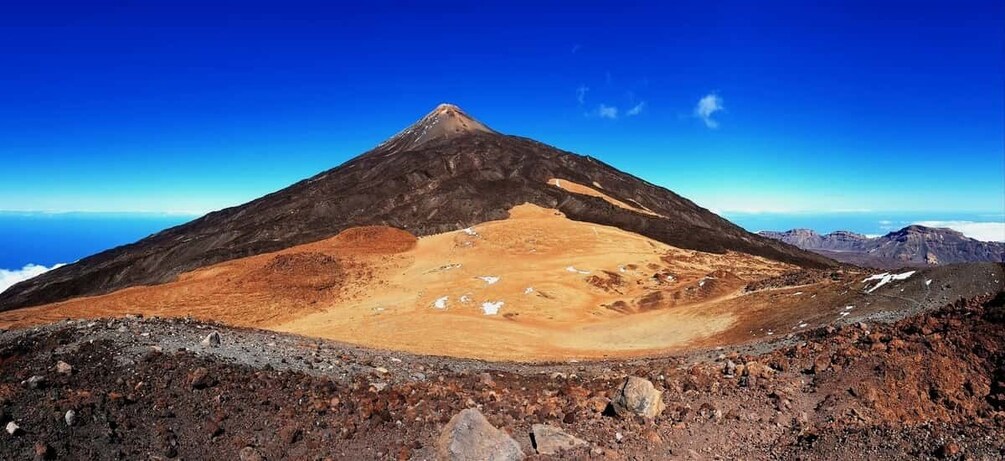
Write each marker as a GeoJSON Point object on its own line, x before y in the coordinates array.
{"type": "Point", "coordinates": [469, 436]}
{"type": "Point", "coordinates": [35, 382]}
{"type": "Point", "coordinates": [212, 340]}
{"type": "Point", "coordinates": [249, 454]}
{"type": "Point", "coordinates": [729, 369]}
{"type": "Point", "coordinates": [637, 396]}
{"type": "Point", "coordinates": [64, 368]}
{"type": "Point", "coordinates": [13, 428]}
{"type": "Point", "coordinates": [550, 440]}
{"type": "Point", "coordinates": [70, 417]}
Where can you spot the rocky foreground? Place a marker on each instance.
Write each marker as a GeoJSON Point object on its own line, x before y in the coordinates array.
{"type": "Point", "coordinates": [932, 385]}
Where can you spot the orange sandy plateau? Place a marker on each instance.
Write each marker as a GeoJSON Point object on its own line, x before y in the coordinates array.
{"type": "Point", "coordinates": [535, 286]}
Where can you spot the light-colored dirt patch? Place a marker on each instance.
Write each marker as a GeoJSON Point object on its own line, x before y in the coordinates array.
{"type": "Point", "coordinates": [501, 290]}
{"type": "Point", "coordinates": [586, 190]}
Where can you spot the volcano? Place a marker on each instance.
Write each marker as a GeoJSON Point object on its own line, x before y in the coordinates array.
{"type": "Point", "coordinates": [445, 172]}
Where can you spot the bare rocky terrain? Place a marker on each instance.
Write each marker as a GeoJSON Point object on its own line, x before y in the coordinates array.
{"type": "Point", "coordinates": [928, 386]}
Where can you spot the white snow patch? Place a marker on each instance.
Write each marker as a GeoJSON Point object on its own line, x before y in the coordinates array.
{"type": "Point", "coordinates": [885, 278]}
{"type": "Point", "coordinates": [528, 291]}
{"type": "Point", "coordinates": [797, 293]}
{"type": "Point", "coordinates": [491, 308]}
{"type": "Point", "coordinates": [845, 313]}
{"type": "Point", "coordinates": [470, 231]}
{"type": "Point", "coordinates": [848, 308]}
{"type": "Point", "coordinates": [803, 325]}
{"type": "Point", "coordinates": [465, 299]}
{"type": "Point", "coordinates": [573, 269]}
{"type": "Point", "coordinates": [491, 280]}
{"type": "Point", "coordinates": [441, 303]}
{"type": "Point", "coordinates": [928, 282]}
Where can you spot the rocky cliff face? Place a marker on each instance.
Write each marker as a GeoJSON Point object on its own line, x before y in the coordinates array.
{"type": "Point", "coordinates": [910, 246]}
{"type": "Point", "coordinates": [443, 173]}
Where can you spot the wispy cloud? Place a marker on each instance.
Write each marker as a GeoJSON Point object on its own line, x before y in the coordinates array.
{"type": "Point", "coordinates": [609, 112]}
{"type": "Point", "coordinates": [10, 277]}
{"type": "Point", "coordinates": [985, 231]}
{"type": "Point", "coordinates": [707, 106]}
{"type": "Point", "coordinates": [636, 110]}
{"type": "Point", "coordinates": [581, 94]}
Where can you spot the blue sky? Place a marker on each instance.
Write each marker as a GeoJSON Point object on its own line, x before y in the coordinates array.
{"type": "Point", "coordinates": [788, 106]}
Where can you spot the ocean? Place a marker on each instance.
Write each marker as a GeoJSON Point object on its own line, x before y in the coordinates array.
{"type": "Point", "coordinates": [30, 243]}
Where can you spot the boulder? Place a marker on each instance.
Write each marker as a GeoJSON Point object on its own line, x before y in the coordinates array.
{"type": "Point", "coordinates": [212, 340]}
{"type": "Point", "coordinates": [35, 382]}
{"type": "Point", "coordinates": [63, 368]}
{"type": "Point", "coordinates": [637, 396]}
{"type": "Point", "coordinates": [550, 440]}
{"type": "Point", "coordinates": [249, 454]}
{"type": "Point", "coordinates": [469, 436]}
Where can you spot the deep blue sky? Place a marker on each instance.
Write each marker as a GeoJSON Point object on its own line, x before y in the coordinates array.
{"type": "Point", "coordinates": [193, 106]}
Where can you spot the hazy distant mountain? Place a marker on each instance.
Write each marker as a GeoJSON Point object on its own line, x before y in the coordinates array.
{"type": "Point", "coordinates": [910, 246]}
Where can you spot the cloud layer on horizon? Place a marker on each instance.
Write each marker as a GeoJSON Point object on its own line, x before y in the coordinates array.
{"type": "Point", "coordinates": [984, 231]}
{"type": "Point", "coordinates": [10, 277]}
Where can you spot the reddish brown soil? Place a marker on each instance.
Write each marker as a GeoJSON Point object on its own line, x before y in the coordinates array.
{"type": "Point", "coordinates": [932, 385]}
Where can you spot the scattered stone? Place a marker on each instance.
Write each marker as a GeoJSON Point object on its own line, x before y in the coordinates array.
{"type": "Point", "coordinates": [469, 436]}
{"type": "Point", "coordinates": [70, 417]}
{"type": "Point", "coordinates": [729, 369]}
{"type": "Point", "coordinates": [949, 450]}
{"type": "Point", "coordinates": [212, 340]}
{"type": "Point", "coordinates": [35, 382]}
{"type": "Point", "coordinates": [639, 397]}
{"type": "Point", "coordinates": [550, 440]}
{"type": "Point", "coordinates": [821, 364]}
{"type": "Point", "coordinates": [757, 370]}
{"type": "Point", "coordinates": [43, 451]}
{"type": "Point", "coordinates": [13, 428]}
{"type": "Point", "coordinates": [249, 454]}
{"type": "Point", "coordinates": [63, 368]}
{"type": "Point", "coordinates": [199, 378]}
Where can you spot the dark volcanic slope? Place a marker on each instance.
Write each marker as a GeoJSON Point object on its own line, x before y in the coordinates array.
{"type": "Point", "coordinates": [910, 246]}
{"type": "Point", "coordinates": [444, 173]}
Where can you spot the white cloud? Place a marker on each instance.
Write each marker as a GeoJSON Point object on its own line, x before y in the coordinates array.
{"type": "Point", "coordinates": [9, 277]}
{"type": "Point", "coordinates": [637, 109]}
{"type": "Point", "coordinates": [605, 111]}
{"type": "Point", "coordinates": [707, 106]}
{"type": "Point", "coordinates": [581, 94]}
{"type": "Point", "coordinates": [985, 231]}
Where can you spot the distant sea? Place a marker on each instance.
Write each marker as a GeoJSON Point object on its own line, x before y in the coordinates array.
{"type": "Point", "coordinates": [31, 243]}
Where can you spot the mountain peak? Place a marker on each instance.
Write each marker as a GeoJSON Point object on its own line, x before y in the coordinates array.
{"type": "Point", "coordinates": [445, 121]}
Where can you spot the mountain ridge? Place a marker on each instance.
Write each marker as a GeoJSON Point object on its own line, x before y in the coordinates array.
{"type": "Point", "coordinates": [913, 245]}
